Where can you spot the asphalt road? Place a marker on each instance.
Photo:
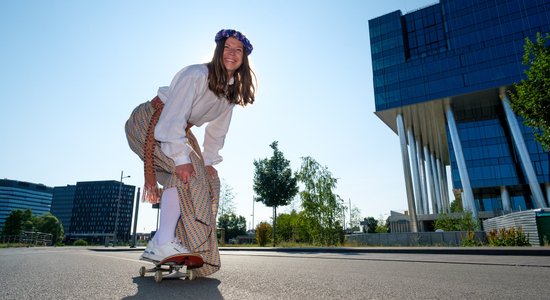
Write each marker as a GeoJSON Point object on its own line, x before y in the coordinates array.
{"type": "Point", "coordinates": [78, 273]}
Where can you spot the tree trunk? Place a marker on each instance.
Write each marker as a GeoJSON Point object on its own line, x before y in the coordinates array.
{"type": "Point", "coordinates": [274, 223]}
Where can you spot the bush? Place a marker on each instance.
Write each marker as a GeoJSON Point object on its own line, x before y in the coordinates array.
{"type": "Point", "coordinates": [508, 237]}
{"type": "Point", "coordinates": [263, 233]}
{"type": "Point", "coordinates": [470, 240]}
{"type": "Point", "coordinates": [80, 243]}
{"type": "Point", "coordinates": [465, 222]}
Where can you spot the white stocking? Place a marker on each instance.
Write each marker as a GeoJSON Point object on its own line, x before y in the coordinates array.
{"type": "Point", "coordinates": [169, 216]}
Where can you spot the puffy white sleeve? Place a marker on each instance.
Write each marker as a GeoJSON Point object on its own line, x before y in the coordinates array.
{"type": "Point", "coordinates": [170, 129]}
{"type": "Point", "coordinates": [214, 137]}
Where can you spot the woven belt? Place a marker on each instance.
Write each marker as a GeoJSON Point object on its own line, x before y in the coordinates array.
{"type": "Point", "coordinates": [151, 192]}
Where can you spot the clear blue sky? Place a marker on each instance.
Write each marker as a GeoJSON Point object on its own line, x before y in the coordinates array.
{"type": "Point", "coordinates": [72, 71]}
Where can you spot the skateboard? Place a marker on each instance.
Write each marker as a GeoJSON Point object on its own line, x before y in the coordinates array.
{"type": "Point", "coordinates": [177, 266]}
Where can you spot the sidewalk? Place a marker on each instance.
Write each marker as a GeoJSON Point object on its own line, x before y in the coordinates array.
{"type": "Point", "coordinates": [516, 251]}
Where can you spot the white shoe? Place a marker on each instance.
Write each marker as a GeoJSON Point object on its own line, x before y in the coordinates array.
{"type": "Point", "coordinates": [179, 247]}
{"type": "Point", "coordinates": [150, 246]}
{"type": "Point", "coordinates": [158, 253]}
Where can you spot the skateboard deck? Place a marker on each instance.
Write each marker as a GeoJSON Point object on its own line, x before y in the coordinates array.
{"type": "Point", "coordinates": [177, 266]}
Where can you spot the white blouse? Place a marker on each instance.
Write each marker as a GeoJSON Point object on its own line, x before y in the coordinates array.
{"type": "Point", "coordinates": [189, 100]}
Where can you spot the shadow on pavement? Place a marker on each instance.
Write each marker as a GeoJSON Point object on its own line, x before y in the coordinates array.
{"type": "Point", "coordinates": [200, 288]}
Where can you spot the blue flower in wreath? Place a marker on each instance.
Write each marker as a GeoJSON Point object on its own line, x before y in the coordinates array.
{"type": "Point", "coordinates": [225, 33]}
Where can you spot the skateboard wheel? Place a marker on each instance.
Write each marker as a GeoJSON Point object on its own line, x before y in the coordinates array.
{"type": "Point", "coordinates": [158, 276]}
{"type": "Point", "coordinates": [142, 271]}
{"type": "Point", "coordinates": [191, 275]}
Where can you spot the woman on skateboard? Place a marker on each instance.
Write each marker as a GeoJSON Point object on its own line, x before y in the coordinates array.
{"type": "Point", "coordinates": [159, 131]}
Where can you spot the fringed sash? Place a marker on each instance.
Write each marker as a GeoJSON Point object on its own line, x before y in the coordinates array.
{"type": "Point", "coordinates": [151, 191]}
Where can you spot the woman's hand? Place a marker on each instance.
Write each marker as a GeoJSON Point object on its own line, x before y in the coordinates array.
{"type": "Point", "coordinates": [184, 172]}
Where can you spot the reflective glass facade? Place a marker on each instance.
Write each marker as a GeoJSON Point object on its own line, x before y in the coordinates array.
{"type": "Point", "coordinates": [460, 55]}
{"type": "Point", "coordinates": [95, 211]}
{"type": "Point", "coordinates": [451, 48]}
{"type": "Point", "coordinates": [62, 204]}
{"type": "Point", "coordinates": [23, 195]}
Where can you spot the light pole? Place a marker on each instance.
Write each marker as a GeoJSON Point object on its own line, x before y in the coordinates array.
{"type": "Point", "coordinates": [134, 237]}
{"type": "Point", "coordinates": [253, 200]}
{"type": "Point", "coordinates": [115, 239]}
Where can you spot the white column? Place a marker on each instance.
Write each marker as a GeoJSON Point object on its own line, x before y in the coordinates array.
{"type": "Point", "coordinates": [437, 185]}
{"type": "Point", "coordinates": [429, 177]}
{"type": "Point", "coordinates": [442, 189]}
{"type": "Point", "coordinates": [446, 188]}
{"type": "Point", "coordinates": [407, 171]}
{"type": "Point", "coordinates": [415, 173]}
{"type": "Point", "coordinates": [468, 198]}
{"type": "Point", "coordinates": [523, 153]}
{"type": "Point", "coordinates": [505, 198]}
{"type": "Point", "coordinates": [422, 172]}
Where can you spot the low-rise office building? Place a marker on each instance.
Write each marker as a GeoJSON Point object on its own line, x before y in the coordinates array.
{"type": "Point", "coordinates": [23, 195]}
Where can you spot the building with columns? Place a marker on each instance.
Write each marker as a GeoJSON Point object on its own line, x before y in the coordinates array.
{"type": "Point", "coordinates": [440, 75]}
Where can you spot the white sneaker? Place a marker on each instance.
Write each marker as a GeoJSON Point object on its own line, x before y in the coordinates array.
{"type": "Point", "coordinates": [158, 253]}
{"type": "Point", "coordinates": [150, 246]}
{"type": "Point", "coordinates": [179, 247]}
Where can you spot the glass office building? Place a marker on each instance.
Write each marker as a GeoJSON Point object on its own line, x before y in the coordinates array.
{"type": "Point", "coordinates": [23, 195]}
{"type": "Point", "coordinates": [441, 76]}
{"type": "Point", "coordinates": [95, 211]}
{"type": "Point", "coordinates": [62, 204]}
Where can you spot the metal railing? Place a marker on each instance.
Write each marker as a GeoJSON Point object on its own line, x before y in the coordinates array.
{"type": "Point", "coordinates": [29, 238]}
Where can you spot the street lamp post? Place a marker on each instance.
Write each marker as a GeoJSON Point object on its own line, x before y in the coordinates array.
{"type": "Point", "coordinates": [134, 237]}
{"type": "Point", "coordinates": [253, 200]}
{"type": "Point", "coordinates": [115, 239]}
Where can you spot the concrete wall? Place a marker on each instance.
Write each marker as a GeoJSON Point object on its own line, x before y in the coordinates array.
{"type": "Point", "coordinates": [451, 238]}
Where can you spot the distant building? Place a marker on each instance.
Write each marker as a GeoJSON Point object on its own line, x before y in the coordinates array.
{"type": "Point", "coordinates": [440, 79]}
{"type": "Point", "coordinates": [62, 204]}
{"type": "Point", "coordinates": [23, 195]}
{"type": "Point", "coordinates": [95, 211]}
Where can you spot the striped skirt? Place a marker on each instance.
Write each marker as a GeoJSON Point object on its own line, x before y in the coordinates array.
{"type": "Point", "coordinates": [199, 198]}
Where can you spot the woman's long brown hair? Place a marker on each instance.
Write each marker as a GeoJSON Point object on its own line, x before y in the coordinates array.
{"type": "Point", "coordinates": [242, 90]}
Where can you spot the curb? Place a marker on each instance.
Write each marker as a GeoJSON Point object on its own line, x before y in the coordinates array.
{"type": "Point", "coordinates": [511, 251]}
{"type": "Point", "coordinates": [116, 249]}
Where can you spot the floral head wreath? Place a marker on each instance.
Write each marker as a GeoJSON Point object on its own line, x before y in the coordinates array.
{"type": "Point", "coordinates": [225, 33]}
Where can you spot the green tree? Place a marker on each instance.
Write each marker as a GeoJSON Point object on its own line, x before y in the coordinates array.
{"type": "Point", "coordinates": [531, 99]}
{"type": "Point", "coordinates": [321, 207]}
{"type": "Point", "coordinates": [291, 228]}
{"type": "Point", "coordinates": [23, 220]}
{"type": "Point", "coordinates": [284, 228]}
{"type": "Point", "coordinates": [445, 223]}
{"type": "Point", "coordinates": [274, 183]}
{"type": "Point", "coordinates": [381, 228]}
{"type": "Point", "coordinates": [355, 221]}
{"type": "Point", "coordinates": [233, 225]}
{"type": "Point", "coordinates": [382, 225]}
{"type": "Point", "coordinates": [462, 222]}
{"type": "Point", "coordinates": [456, 204]}
{"type": "Point", "coordinates": [48, 223]}
{"type": "Point", "coordinates": [17, 221]}
{"type": "Point", "coordinates": [388, 227]}
{"type": "Point", "coordinates": [372, 223]}
{"type": "Point", "coordinates": [227, 205]}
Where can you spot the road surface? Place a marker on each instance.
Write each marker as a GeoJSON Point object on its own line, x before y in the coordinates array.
{"type": "Point", "coordinates": [79, 273]}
